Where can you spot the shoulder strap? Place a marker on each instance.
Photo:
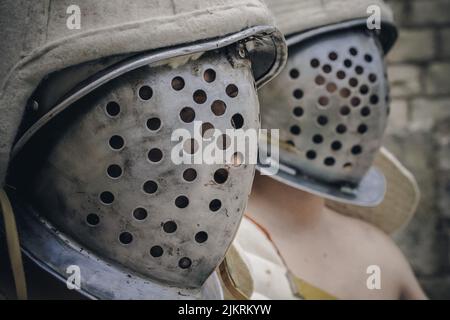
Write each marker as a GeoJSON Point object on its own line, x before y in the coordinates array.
{"type": "Point", "coordinates": [305, 290]}
{"type": "Point", "coordinates": [299, 287]}
{"type": "Point", "coordinates": [235, 276]}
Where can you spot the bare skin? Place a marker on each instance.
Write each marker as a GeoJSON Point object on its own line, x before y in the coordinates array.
{"type": "Point", "coordinates": [327, 249]}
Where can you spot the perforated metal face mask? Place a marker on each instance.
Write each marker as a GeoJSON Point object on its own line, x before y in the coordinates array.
{"type": "Point", "coordinates": [142, 226]}
{"type": "Point", "coordinates": [331, 106]}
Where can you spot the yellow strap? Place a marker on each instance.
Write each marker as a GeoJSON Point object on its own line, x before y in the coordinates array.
{"type": "Point", "coordinates": [306, 290]}
{"type": "Point", "coordinates": [229, 282]}
{"type": "Point", "coordinates": [12, 238]}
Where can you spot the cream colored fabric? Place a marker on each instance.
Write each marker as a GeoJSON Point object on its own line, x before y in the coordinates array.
{"type": "Point", "coordinates": [294, 16]}
{"type": "Point", "coordinates": [400, 202]}
{"type": "Point", "coordinates": [36, 40]}
{"type": "Point", "coordinates": [268, 271]}
{"type": "Point", "coordinates": [235, 276]}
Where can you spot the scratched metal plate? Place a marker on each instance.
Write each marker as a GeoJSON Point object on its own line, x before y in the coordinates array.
{"type": "Point", "coordinates": [331, 105]}
{"type": "Point", "coordinates": [108, 181]}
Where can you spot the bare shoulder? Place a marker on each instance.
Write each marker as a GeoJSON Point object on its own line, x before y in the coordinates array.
{"type": "Point", "coordinates": [378, 245]}
{"type": "Point", "coordinates": [374, 247]}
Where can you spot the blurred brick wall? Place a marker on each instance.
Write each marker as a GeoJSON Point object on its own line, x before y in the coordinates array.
{"type": "Point", "coordinates": [419, 133]}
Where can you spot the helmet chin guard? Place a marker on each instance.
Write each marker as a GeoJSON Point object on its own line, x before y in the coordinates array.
{"type": "Point", "coordinates": [331, 106]}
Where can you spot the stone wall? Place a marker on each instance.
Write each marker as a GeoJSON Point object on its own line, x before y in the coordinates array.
{"type": "Point", "coordinates": [419, 133]}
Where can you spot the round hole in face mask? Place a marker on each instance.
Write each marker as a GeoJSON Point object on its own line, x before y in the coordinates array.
{"type": "Point", "coordinates": [324, 101]}
{"type": "Point", "coordinates": [189, 175]}
{"type": "Point", "coordinates": [207, 130]}
{"type": "Point", "coordinates": [345, 93]}
{"type": "Point", "coordinates": [327, 68]}
{"type": "Point", "coordinates": [200, 96]}
{"type": "Point", "coordinates": [182, 202]}
{"type": "Point", "coordinates": [190, 146]}
{"type": "Point", "coordinates": [333, 56]}
{"type": "Point", "coordinates": [184, 263]}
{"type": "Point", "coordinates": [329, 161]}
{"type": "Point", "coordinates": [294, 73]}
{"type": "Point", "coordinates": [315, 63]}
{"type": "Point", "coordinates": [209, 75]}
{"type": "Point", "coordinates": [336, 145]}
{"type": "Point", "coordinates": [92, 219]}
{"type": "Point", "coordinates": [311, 154]}
{"type": "Point", "coordinates": [187, 114]}
{"type": "Point", "coordinates": [116, 142]}
{"type": "Point", "coordinates": [362, 128]}
{"type": "Point", "coordinates": [232, 91]}
{"type": "Point", "coordinates": [220, 176]}
{"type": "Point", "coordinates": [355, 101]}
{"type": "Point", "coordinates": [106, 197]}
{"type": "Point", "coordinates": [372, 77]}
{"type": "Point", "coordinates": [223, 142]}
{"type": "Point", "coordinates": [237, 121]}
{"type": "Point", "coordinates": [353, 51]}
{"type": "Point", "coordinates": [345, 111]}
{"type": "Point", "coordinates": [153, 124]}
{"type": "Point", "coordinates": [178, 83]}
{"type": "Point", "coordinates": [374, 99]}
{"type": "Point", "coordinates": [317, 139]}
{"type": "Point", "coordinates": [353, 82]}
{"type": "Point", "coordinates": [140, 214]}
{"type": "Point", "coordinates": [322, 120]}
{"type": "Point", "coordinates": [298, 111]}
{"type": "Point", "coordinates": [341, 129]}
{"type": "Point", "coordinates": [320, 80]}
{"type": "Point", "coordinates": [145, 93]}
{"type": "Point", "coordinates": [348, 63]}
{"type": "Point", "coordinates": [359, 70]}
{"type": "Point", "coordinates": [125, 238]}
{"type": "Point", "coordinates": [112, 109]}
{"type": "Point", "coordinates": [170, 227]}
{"type": "Point", "coordinates": [155, 155]}
{"type": "Point", "coordinates": [364, 89]}
{"type": "Point", "coordinates": [150, 187]}
{"type": "Point", "coordinates": [156, 251]}
{"type": "Point", "coordinates": [368, 58]}
{"type": "Point", "coordinates": [331, 87]}
{"type": "Point", "coordinates": [114, 171]}
{"type": "Point", "coordinates": [215, 205]}
{"type": "Point", "coordinates": [201, 237]}
{"type": "Point", "coordinates": [356, 150]}
{"type": "Point", "coordinates": [341, 75]}
{"type": "Point", "coordinates": [298, 94]}
{"type": "Point", "coordinates": [365, 111]}
{"type": "Point", "coordinates": [218, 107]}
{"type": "Point", "coordinates": [237, 159]}
{"type": "Point", "coordinates": [295, 130]}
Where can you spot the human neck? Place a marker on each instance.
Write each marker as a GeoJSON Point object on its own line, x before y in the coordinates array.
{"type": "Point", "coordinates": [278, 207]}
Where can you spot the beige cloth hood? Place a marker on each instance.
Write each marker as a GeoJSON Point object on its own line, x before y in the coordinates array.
{"type": "Point", "coordinates": [298, 16]}
{"type": "Point", "coordinates": [36, 40]}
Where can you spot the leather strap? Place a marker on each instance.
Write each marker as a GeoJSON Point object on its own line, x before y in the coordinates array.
{"type": "Point", "coordinates": [307, 291]}
{"type": "Point", "coordinates": [235, 276]}
{"type": "Point", "coordinates": [12, 239]}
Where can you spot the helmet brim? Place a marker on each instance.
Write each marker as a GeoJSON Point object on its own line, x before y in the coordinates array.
{"type": "Point", "coordinates": [369, 193]}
